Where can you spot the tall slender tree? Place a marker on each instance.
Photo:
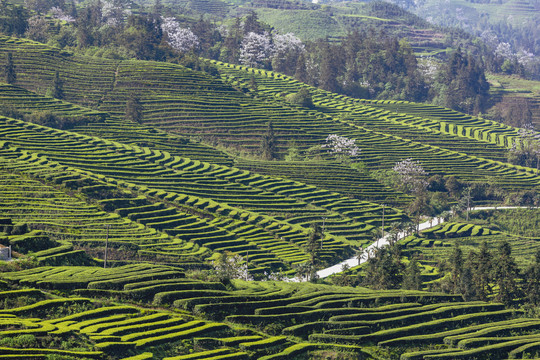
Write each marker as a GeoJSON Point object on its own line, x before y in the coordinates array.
{"type": "Point", "coordinates": [9, 69]}
{"type": "Point", "coordinates": [268, 143]}
{"type": "Point", "coordinates": [412, 279]}
{"type": "Point", "coordinates": [57, 86]}
{"type": "Point", "coordinates": [483, 271]}
{"type": "Point", "coordinates": [532, 285]}
{"type": "Point", "coordinates": [505, 273]}
{"type": "Point", "coordinates": [134, 109]}
{"type": "Point", "coordinates": [456, 267]}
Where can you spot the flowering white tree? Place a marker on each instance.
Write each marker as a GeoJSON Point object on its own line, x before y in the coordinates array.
{"type": "Point", "coordinates": [504, 50]}
{"type": "Point", "coordinates": [341, 146]}
{"type": "Point", "coordinates": [412, 176]}
{"type": "Point", "coordinates": [59, 14]}
{"type": "Point", "coordinates": [231, 266]}
{"type": "Point", "coordinates": [255, 49]}
{"type": "Point", "coordinates": [429, 68]}
{"type": "Point", "coordinates": [286, 43]}
{"type": "Point", "coordinates": [114, 12]}
{"type": "Point", "coordinates": [180, 39]}
{"type": "Point", "coordinates": [287, 49]}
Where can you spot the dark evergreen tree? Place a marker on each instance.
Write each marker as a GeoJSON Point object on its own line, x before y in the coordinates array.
{"type": "Point", "coordinates": [505, 274]}
{"type": "Point", "coordinates": [157, 9]}
{"type": "Point", "coordinates": [483, 266]}
{"type": "Point", "coordinates": [313, 244]}
{"type": "Point", "coordinates": [252, 24]}
{"type": "Point", "coordinates": [9, 69]}
{"type": "Point", "coordinates": [456, 268]}
{"type": "Point", "coordinates": [464, 85]}
{"type": "Point", "coordinates": [412, 279]}
{"type": "Point", "coordinates": [232, 42]}
{"type": "Point", "coordinates": [328, 68]}
{"type": "Point", "coordinates": [268, 144]}
{"type": "Point", "coordinates": [134, 109]}
{"type": "Point", "coordinates": [532, 284]}
{"type": "Point", "coordinates": [383, 270]}
{"type": "Point", "coordinates": [300, 73]}
{"type": "Point", "coordinates": [466, 283]}
{"type": "Point", "coordinates": [144, 37]}
{"type": "Point", "coordinates": [57, 86]}
{"type": "Point", "coordinates": [253, 83]}
{"type": "Point", "coordinates": [13, 19]}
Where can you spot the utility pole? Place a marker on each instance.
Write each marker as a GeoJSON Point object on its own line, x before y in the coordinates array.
{"type": "Point", "coordinates": [247, 265]}
{"type": "Point", "coordinates": [383, 220]}
{"type": "Point", "coordinates": [468, 203]}
{"type": "Point", "coordinates": [106, 246]}
{"type": "Point", "coordinates": [322, 235]}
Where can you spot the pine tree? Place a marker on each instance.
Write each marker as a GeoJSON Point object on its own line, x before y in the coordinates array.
{"type": "Point", "coordinates": [313, 245]}
{"type": "Point", "coordinates": [412, 279]}
{"type": "Point", "coordinates": [57, 87]}
{"type": "Point", "coordinates": [456, 268]}
{"type": "Point", "coordinates": [157, 8]}
{"type": "Point", "coordinates": [301, 73]}
{"type": "Point", "coordinates": [268, 144]}
{"type": "Point", "coordinates": [9, 70]}
{"type": "Point", "coordinates": [532, 276]}
{"type": "Point", "coordinates": [134, 109]}
{"type": "Point", "coordinates": [483, 271]}
{"type": "Point", "coordinates": [253, 84]}
{"type": "Point", "coordinates": [466, 283]}
{"type": "Point", "coordinates": [328, 69]}
{"type": "Point", "coordinates": [505, 274]}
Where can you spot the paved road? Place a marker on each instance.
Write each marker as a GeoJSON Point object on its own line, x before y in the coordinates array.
{"type": "Point", "coordinates": [335, 269]}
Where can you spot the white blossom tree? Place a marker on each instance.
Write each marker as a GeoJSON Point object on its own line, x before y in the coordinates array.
{"type": "Point", "coordinates": [344, 148]}
{"type": "Point", "coordinates": [180, 39]}
{"type": "Point", "coordinates": [287, 49]}
{"type": "Point", "coordinates": [255, 49]}
{"type": "Point", "coordinates": [114, 12]}
{"type": "Point", "coordinates": [412, 176]}
{"type": "Point", "coordinates": [231, 266]}
{"type": "Point", "coordinates": [59, 14]}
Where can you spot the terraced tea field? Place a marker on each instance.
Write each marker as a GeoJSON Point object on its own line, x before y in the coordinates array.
{"type": "Point", "coordinates": [117, 226]}
{"type": "Point", "coordinates": [228, 323]}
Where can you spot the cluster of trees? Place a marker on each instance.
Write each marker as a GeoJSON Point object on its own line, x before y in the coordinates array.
{"type": "Point", "coordinates": [477, 276]}
{"type": "Point", "coordinates": [367, 64]}
{"type": "Point", "coordinates": [526, 150]}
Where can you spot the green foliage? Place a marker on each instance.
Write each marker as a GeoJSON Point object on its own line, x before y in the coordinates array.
{"type": "Point", "coordinates": [302, 98]}
{"type": "Point", "coordinates": [13, 19]}
{"type": "Point", "coordinates": [134, 109]}
{"type": "Point", "coordinates": [462, 84]}
{"type": "Point", "coordinates": [9, 69]}
{"type": "Point", "coordinates": [268, 143]}
{"type": "Point", "coordinates": [411, 276]}
{"type": "Point", "coordinates": [57, 90]}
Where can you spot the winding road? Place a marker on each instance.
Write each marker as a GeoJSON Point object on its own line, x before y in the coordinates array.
{"type": "Point", "coordinates": [336, 269]}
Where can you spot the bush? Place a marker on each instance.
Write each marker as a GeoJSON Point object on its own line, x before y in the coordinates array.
{"type": "Point", "coordinates": [302, 98]}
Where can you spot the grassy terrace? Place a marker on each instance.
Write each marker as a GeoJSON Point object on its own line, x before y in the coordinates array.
{"type": "Point", "coordinates": [221, 322]}
{"type": "Point", "coordinates": [101, 124]}
{"type": "Point", "coordinates": [185, 102]}
{"type": "Point", "coordinates": [189, 185]}
{"type": "Point", "coordinates": [380, 149]}
{"type": "Point", "coordinates": [166, 203]}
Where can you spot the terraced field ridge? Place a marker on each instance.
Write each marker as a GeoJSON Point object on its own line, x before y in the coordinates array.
{"type": "Point", "coordinates": [184, 103]}
{"type": "Point", "coordinates": [115, 226]}
{"type": "Point", "coordinates": [385, 140]}
{"type": "Point", "coordinates": [184, 198]}
{"type": "Point", "coordinates": [221, 322]}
